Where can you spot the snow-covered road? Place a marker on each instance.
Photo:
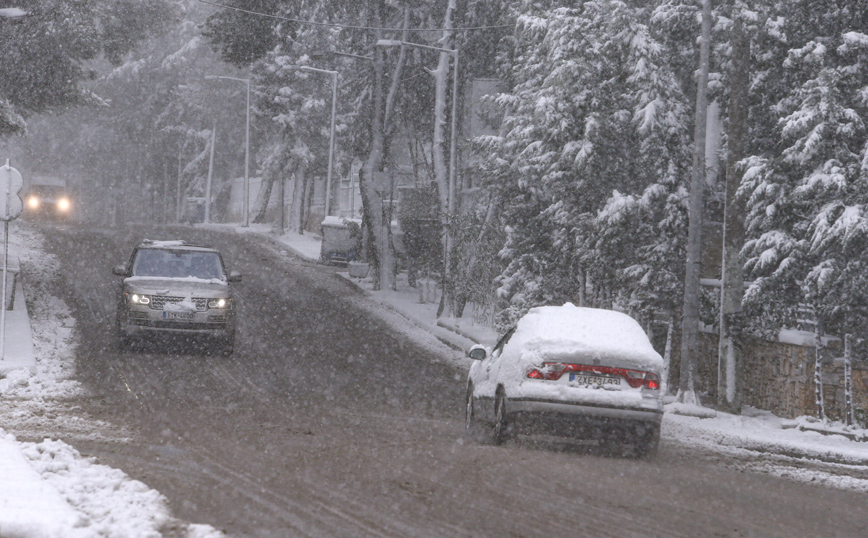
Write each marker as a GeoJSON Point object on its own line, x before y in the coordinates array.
{"type": "Point", "coordinates": [48, 489]}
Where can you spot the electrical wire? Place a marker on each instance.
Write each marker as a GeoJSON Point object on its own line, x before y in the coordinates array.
{"type": "Point", "coordinates": [353, 27]}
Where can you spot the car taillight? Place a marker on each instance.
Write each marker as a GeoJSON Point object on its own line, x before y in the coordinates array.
{"type": "Point", "coordinates": [652, 381]}
{"type": "Point", "coordinates": [535, 374]}
{"type": "Point", "coordinates": [638, 378]}
{"type": "Point", "coordinates": [552, 371]}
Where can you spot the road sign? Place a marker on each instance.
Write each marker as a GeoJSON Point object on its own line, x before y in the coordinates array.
{"type": "Point", "coordinates": [11, 182]}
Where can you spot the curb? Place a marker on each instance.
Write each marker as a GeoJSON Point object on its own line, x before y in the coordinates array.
{"type": "Point", "coordinates": [427, 327]}
{"type": "Point", "coordinates": [18, 349]}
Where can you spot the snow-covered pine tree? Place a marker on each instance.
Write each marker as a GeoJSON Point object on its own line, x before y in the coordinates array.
{"type": "Point", "coordinates": [594, 108]}
{"type": "Point", "coordinates": [807, 195]}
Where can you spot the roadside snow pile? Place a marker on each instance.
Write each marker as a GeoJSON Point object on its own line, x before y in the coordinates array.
{"type": "Point", "coordinates": [837, 461]}
{"type": "Point", "coordinates": [51, 323]}
{"type": "Point", "coordinates": [48, 489]}
{"type": "Point", "coordinates": [762, 431]}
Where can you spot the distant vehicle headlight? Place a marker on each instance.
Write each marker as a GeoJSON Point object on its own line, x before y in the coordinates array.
{"type": "Point", "coordinates": [218, 303]}
{"type": "Point", "coordinates": [135, 298]}
{"type": "Point", "coordinates": [33, 202]}
{"type": "Point", "coordinates": [63, 204]}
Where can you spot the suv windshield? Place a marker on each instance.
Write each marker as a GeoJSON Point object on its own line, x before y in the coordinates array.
{"type": "Point", "coordinates": [177, 263]}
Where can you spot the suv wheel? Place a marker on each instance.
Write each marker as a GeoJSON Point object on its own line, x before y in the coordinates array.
{"type": "Point", "coordinates": [226, 345]}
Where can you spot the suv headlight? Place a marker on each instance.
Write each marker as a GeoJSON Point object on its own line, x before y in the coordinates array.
{"type": "Point", "coordinates": [135, 298]}
{"type": "Point", "coordinates": [218, 303]}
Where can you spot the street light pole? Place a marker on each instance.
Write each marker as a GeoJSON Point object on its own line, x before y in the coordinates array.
{"type": "Point", "coordinates": [331, 145]}
{"type": "Point", "coordinates": [246, 209]}
{"type": "Point", "coordinates": [12, 13]}
{"type": "Point", "coordinates": [453, 158]}
{"type": "Point", "coordinates": [210, 175]}
{"type": "Point", "coordinates": [453, 151]}
{"type": "Point", "coordinates": [334, 74]}
{"type": "Point", "coordinates": [247, 161]}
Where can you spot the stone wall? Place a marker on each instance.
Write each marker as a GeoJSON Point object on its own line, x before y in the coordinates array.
{"type": "Point", "coordinates": [779, 377]}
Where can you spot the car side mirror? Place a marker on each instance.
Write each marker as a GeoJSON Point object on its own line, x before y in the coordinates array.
{"type": "Point", "coordinates": [234, 276]}
{"type": "Point", "coordinates": [120, 270]}
{"type": "Point", "coordinates": [478, 352]}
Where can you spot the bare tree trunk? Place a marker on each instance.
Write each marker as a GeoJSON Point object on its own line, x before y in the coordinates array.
{"type": "Point", "coordinates": [178, 186]}
{"type": "Point", "coordinates": [296, 207]}
{"type": "Point", "coordinates": [818, 371]}
{"type": "Point", "coordinates": [306, 201]}
{"type": "Point", "coordinates": [441, 173]}
{"type": "Point", "coordinates": [260, 206]}
{"type": "Point", "coordinates": [667, 356]}
{"type": "Point", "coordinates": [848, 380]}
{"type": "Point", "coordinates": [374, 185]}
{"type": "Point", "coordinates": [441, 75]}
{"type": "Point", "coordinates": [732, 287]}
{"type": "Point", "coordinates": [165, 201]}
{"type": "Point", "coordinates": [690, 317]}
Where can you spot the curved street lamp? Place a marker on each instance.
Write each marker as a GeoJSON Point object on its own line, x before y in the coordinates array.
{"type": "Point", "coordinates": [453, 161]}
{"type": "Point", "coordinates": [334, 75]}
{"type": "Point", "coordinates": [453, 157]}
{"type": "Point", "coordinates": [12, 12]}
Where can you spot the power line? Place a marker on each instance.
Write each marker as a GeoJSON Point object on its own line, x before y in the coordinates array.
{"type": "Point", "coordinates": [350, 26]}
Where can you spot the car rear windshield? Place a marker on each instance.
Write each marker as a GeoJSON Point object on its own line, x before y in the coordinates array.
{"type": "Point", "coordinates": [176, 263]}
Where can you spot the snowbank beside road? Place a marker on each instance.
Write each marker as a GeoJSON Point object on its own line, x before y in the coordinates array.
{"type": "Point", "coordinates": [759, 441]}
{"type": "Point", "coordinates": [47, 489]}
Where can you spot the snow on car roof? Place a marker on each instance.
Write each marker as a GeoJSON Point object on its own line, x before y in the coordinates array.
{"type": "Point", "coordinates": [151, 243]}
{"type": "Point", "coordinates": [574, 330]}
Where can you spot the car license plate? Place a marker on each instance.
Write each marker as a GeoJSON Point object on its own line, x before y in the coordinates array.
{"type": "Point", "coordinates": [593, 380]}
{"type": "Point", "coordinates": [184, 316]}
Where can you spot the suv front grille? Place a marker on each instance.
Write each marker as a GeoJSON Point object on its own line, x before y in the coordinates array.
{"type": "Point", "coordinates": [158, 302]}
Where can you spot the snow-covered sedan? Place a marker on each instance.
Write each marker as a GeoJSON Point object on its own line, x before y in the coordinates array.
{"type": "Point", "coordinates": [571, 371]}
{"type": "Point", "coordinates": [172, 287]}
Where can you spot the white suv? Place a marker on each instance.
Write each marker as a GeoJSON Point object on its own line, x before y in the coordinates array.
{"type": "Point", "coordinates": [172, 287]}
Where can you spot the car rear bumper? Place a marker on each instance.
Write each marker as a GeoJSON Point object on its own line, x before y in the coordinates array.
{"type": "Point", "coordinates": [575, 410]}
{"type": "Point", "coordinates": [533, 416]}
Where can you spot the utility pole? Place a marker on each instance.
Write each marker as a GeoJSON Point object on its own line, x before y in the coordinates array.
{"type": "Point", "coordinates": [690, 316]}
{"type": "Point", "coordinates": [210, 174]}
{"type": "Point", "coordinates": [732, 286]}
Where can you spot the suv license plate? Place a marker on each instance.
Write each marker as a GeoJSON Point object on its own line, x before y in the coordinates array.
{"type": "Point", "coordinates": [593, 380]}
{"type": "Point", "coordinates": [185, 316]}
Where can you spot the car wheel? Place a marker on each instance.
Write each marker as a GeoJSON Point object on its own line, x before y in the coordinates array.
{"type": "Point", "coordinates": [648, 443]}
{"type": "Point", "coordinates": [473, 428]}
{"type": "Point", "coordinates": [499, 433]}
{"type": "Point", "coordinates": [122, 341]}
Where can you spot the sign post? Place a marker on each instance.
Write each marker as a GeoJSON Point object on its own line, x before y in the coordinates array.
{"type": "Point", "coordinates": [11, 206]}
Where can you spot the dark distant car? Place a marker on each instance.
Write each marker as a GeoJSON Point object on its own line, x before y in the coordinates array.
{"type": "Point", "coordinates": [48, 202]}
{"type": "Point", "coordinates": [176, 288]}
{"type": "Point", "coordinates": [565, 370]}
